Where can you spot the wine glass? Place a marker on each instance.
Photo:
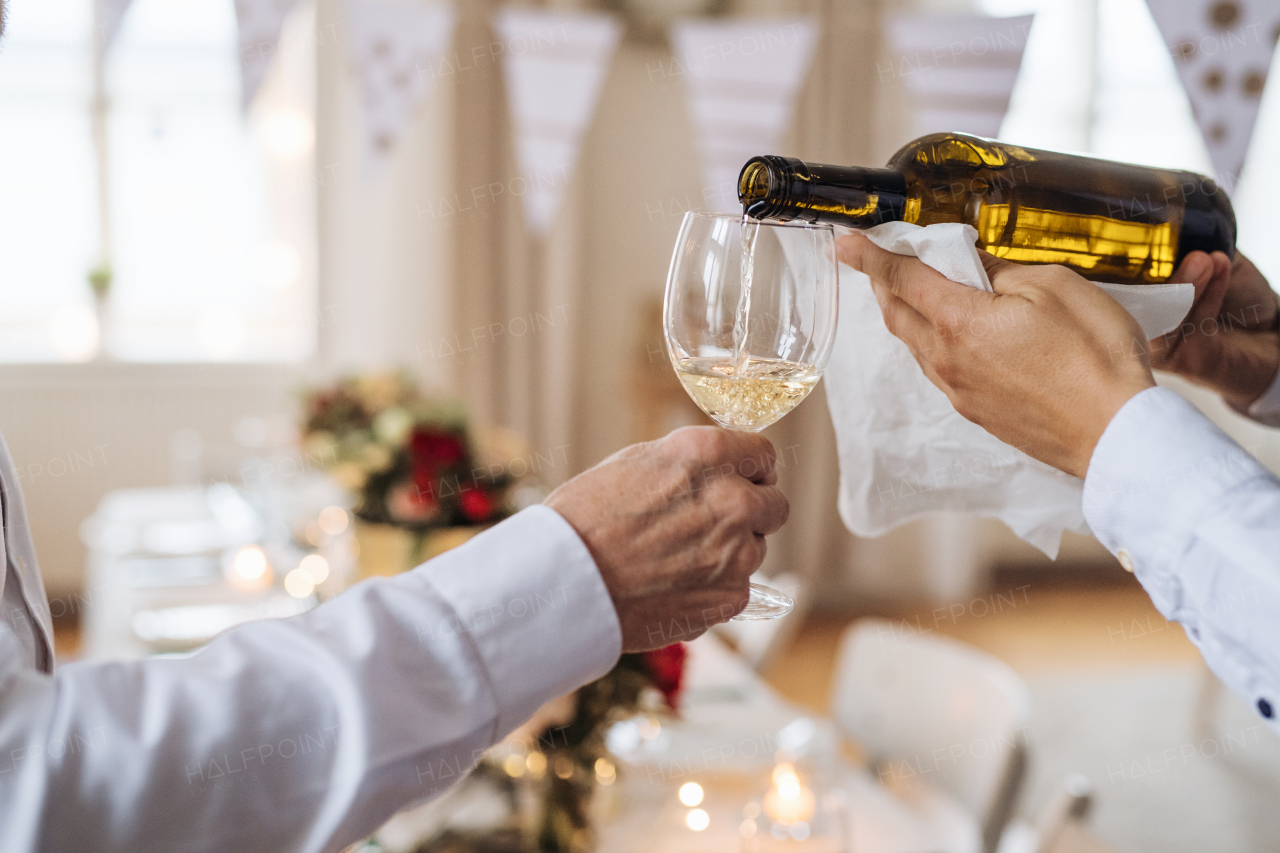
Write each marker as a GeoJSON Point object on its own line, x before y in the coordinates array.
{"type": "Point", "coordinates": [750, 318]}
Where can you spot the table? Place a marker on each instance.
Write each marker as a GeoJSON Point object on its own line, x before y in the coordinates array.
{"type": "Point", "coordinates": [731, 727]}
{"type": "Point", "coordinates": [727, 737]}
{"type": "Point", "coordinates": [156, 580]}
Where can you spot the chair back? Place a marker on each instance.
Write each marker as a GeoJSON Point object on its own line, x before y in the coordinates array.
{"type": "Point", "coordinates": [929, 709]}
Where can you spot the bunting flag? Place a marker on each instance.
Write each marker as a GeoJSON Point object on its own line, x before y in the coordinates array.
{"type": "Point", "coordinates": [259, 23]}
{"type": "Point", "coordinates": [741, 79]}
{"type": "Point", "coordinates": [110, 14]}
{"type": "Point", "coordinates": [396, 45]}
{"type": "Point", "coordinates": [554, 64]}
{"type": "Point", "coordinates": [957, 72]}
{"type": "Point", "coordinates": [1222, 50]}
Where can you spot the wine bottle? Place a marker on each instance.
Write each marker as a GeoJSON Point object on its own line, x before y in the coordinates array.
{"type": "Point", "coordinates": [1108, 221]}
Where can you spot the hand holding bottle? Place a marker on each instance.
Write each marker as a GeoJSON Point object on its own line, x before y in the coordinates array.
{"type": "Point", "coordinates": [1230, 341]}
{"type": "Point", "coordinates": [1043, 363]}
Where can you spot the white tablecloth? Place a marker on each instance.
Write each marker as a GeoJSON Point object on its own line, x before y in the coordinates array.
{"type": "Point", "coordinates": [730, 728]}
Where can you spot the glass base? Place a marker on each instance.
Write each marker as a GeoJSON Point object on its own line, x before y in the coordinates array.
{"type": "Point", "coordinates": [765, 603]}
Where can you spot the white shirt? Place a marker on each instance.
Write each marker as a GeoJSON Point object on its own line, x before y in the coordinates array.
{"type": "Point", "coordinates": [1197, 519]}
{"type": "Point", "coordinates": [295, 735]}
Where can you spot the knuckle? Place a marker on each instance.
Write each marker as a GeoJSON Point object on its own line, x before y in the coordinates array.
{"type": "Point", "coordinates": [762, 549]}
{"type": "Point", "coordinates": [784, 508]}
{"type": "Point", "coordinates": [963, 406]}
{"type": "Point", "coordinates": [894, 275]}
{"type": "Point", "coordinates": [692, 448]}
{"type": "Point", "coordinates": [682, 440]}
{"type": "Point", "coordinates": [952, 320]}
{"type": "Point", "coordinates": [744, 562]}
{"type": "Point", "coordinates": [1059, 276]}
{"type": "Point", "coordinates": [707, 443]}
{"type": "Point", "coordinates": [944, 365]}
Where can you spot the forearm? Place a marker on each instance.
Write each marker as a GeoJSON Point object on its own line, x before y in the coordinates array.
{"type": "Point", "coordinates": [304, 734]}
{"type": "Point", "coordinates": [1198, 521]}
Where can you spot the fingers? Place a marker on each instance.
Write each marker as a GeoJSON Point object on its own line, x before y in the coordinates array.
{"type": "Point", "coordinates": [740, 561]}
{"type": "Point", "coordinates": [928, 291]}
{"type": "Point", "coordinates": [1196, 268]}
{"type": "Point", "coordinates": [903, 321]}
{"type": "Point", "coordinates": [1225, 267]}
{"type": "Point", "coordinates": [769, 510]}
{"type": "Point", "coordinates": [1210, 295]}
{"type": "Point", "coordinates": [994, 266]}
{"type": "Point", "coordinates": [1211, 276]}
{"type": "Point", "coordinates": [747, 454]}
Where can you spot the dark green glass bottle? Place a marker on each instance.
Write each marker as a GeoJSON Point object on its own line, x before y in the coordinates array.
{"type": "Point", "coordinates": [1109, 221]}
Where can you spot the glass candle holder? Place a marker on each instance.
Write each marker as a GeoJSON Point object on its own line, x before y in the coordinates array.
{"type": "Point", "coordinates": [795, 814]}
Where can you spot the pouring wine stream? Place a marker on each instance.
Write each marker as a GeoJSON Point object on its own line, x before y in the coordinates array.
{"type": "Point", "coordinates": [742, 322]}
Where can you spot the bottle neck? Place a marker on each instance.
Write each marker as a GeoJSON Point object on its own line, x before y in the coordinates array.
{"type": "Point", "coordinates": [786, 188]}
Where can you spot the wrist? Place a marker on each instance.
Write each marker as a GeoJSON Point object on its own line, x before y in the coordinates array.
{"type": "Point", "coordinates": [1109, 406]}
{"type": "Point", "coordinates": [1257, 368]}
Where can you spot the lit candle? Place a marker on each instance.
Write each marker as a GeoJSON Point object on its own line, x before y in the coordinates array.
{"type": "Point", "coordinates": [788, 801]}
{"type": "Point", "coordinates": [249, 569]}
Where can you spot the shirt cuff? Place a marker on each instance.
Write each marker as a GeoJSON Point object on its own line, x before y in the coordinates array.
{"type": "Point", "coordinates": [529, 595]}
{"type": "Point", "coordinates": [1266, 409]}
{"type": "Point", "coordinates": [1159, 465]}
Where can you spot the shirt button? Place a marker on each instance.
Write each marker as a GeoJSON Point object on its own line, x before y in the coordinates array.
{"type": "Point", "coordinates": [1265, 709]}
{"type": "Point", "coordinates": [1126, 561]}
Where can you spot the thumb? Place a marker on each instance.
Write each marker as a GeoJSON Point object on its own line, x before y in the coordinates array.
{"type": "Point", "coordinates": [995, 267]}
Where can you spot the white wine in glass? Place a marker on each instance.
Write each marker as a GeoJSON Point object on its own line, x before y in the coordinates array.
{"type": "Point", "coordinates": [749, 396]}
{"type": "Point", "coordinates": [750, 318]}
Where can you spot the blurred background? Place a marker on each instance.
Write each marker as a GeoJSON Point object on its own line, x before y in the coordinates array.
{"type": "Point", "coordinates": [213, 214]}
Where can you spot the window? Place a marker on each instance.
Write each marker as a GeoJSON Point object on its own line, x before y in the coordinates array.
{"type": "Point", "coordinates": [208, 217]}
{"type": "Point", "coordinates": [1097, 77]}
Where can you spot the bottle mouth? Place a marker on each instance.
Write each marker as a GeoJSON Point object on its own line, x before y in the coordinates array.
{"type": "Point", "coordinates": [755, 181]}
{"type": "Point", "coordinates": [762, 187]}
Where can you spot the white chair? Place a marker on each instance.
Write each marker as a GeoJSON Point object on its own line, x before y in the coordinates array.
{"type": "Point", "coordinates": [758, 642]}
{"type": "Point", "coordinates": [1062, 826]}
{"type": "Point", "coordinates": [933, 711]}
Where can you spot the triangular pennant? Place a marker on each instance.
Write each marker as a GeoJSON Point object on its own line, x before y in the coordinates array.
{"type": "Point", "coordinates": [259, 23]}
{"type": "Point", "coordinates": [110, 14]}
{"type": "Point", "coordinates": [741, 79]}
{"type": "Point", "coordinates": [1222, 50]}
{"type": "Point", "coordinates": [554, 64]}
{"type": "Point", "coordinates": [393, 44]}
{"type": "Point", "coordinates": [958, 70]}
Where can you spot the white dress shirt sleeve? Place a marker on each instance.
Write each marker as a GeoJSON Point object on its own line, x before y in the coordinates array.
{"type": "Point", "coordinates": [305, 734]}
{"type": "Point", "coordinates": [1197, 519]}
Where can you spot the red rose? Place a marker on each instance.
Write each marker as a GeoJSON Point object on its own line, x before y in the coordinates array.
{"type": "Point", "coordinates": [424, 477]}
{"type": "Point", "coordinates": [666, 668]}
{"type": "Point", "coordinates": [436, 448]}
{"type": "Point", "coordinates": [476, 505]}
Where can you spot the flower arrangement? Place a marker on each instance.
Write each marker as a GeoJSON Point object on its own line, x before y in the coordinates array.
{"type": "Point", "coordinates": [408, 458]}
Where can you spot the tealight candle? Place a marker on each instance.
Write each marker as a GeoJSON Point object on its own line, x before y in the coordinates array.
{"type": "Point", "coordinates": [788, 801]}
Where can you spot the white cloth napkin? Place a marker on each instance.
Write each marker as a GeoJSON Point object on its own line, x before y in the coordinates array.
{"type": "Point", "coordinates": [904, 451]}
